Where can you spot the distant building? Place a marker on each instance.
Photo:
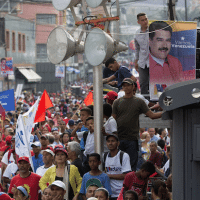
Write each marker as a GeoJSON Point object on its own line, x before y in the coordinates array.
{"type": "Point", "coordinates": [19, 43]}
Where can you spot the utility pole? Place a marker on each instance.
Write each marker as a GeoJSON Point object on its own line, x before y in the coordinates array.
{"type": "Point", "coordinates": [171, 10]}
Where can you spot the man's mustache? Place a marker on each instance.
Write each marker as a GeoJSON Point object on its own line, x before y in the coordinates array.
{"type": "Point", "coordinates": [163, 49]}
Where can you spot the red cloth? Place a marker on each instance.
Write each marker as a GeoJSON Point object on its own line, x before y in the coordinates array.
{"type": "Point", "coordinates": [32, 181]}
{"type": "Point", "coordinates": [132, 182]}
{"type": "Point", "coordinates": [45, 103]}
{"type": "Point", "coordinates": [89, 99]}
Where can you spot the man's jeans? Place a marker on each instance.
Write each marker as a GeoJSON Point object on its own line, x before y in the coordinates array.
{"type": "Point", "coordinates": [144, 80]}
{"type": "Point", "coordinates": [131, 148]}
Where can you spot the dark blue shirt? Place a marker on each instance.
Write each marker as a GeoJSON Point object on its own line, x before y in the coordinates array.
{"type": "Point", "coordinates": [107, 72]}
{"type": "Point", "coordinates": [37, 162]}
{"type": "Point", "coordinates": [122, 73]}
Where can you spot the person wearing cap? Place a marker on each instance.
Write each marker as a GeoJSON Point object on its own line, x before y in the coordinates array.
{"type": "Point", "coordinates": [64, 172]}
{"type": "Point", "coordinates": [110, 97]}
{"type": "Point", "coordinates": [25, 178]}
{"type": "Point", "coordinates": [48, 158]}
{"type": "Point", "coordinates": [58, 190]}
{"type": "Point", "coordinates": [71, 126]}
{"type": "Point", "coordinates": [44, 140]}
{"type": "Point", "coordinates": [126, 111]}
{"type": "Point", "coordinates": [117, 165]}
{"type": "Point", "coordinates": [121, 72]}
{"type": "Point", "coordinates": [37, 158]}
{"type": "Point", "coordinates": [22, 193]}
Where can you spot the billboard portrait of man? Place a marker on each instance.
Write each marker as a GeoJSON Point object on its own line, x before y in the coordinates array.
{"type": "Point", "coordinates": [164, 68]}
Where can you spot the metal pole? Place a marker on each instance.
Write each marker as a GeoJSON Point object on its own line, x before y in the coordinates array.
{"type": "Point", "coordinates": [186, 18]}
{"type": "Point", "coordinates": [98, 108]}
{"type": "Point", "coordinates": [171, 8]}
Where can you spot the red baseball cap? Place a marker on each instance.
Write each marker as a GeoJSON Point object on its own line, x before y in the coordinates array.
{"type": "Point", "coordinates": [9, 138]}
{"type": "Point", "coordinates": [4, 196]}
{"type": "Point", "coordinates": [111, 95]}
{"type": "Point", "coordinates": [24, 158]}
{"type": "Point", "coordinates": [61, 149]}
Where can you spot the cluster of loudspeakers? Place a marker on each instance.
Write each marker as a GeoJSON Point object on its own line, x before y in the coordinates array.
{"type": "Point", "coordinates": [98, 46]}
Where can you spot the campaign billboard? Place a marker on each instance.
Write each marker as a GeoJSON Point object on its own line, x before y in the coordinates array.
{"type": "Point", "coordinates": [172, 54]}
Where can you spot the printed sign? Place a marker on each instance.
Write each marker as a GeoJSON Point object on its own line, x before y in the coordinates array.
{"type": "Point", "coordinates": [172, 56]}
{"type": "Point", "coordinates": [7, 66]}
{"type": "Point", "coordinates": [7, 100]}
{"type": "Point", "coordinates": [59, 71]}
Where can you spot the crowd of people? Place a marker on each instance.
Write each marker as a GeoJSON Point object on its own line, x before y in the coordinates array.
{"type": "Point", "coordinates": [134, 162]}
{"type": "Point", "coordinates": [65, 165]}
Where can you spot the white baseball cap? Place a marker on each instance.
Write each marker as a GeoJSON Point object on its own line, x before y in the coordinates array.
{"type": "Point", "coordinates": [59, 184]}
{"type": "Point", "coordinates": [49, 151]}
{"type": "Point", "coordinates": [37, 144]}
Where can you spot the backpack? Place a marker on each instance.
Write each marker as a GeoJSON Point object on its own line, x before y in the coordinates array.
{"type": "Point", "coordinates": [85, 134]}
{"type": "Point", "coordinates": [105, 156]}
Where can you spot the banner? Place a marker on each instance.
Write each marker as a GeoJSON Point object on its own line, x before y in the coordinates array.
{"type": "Point", "coordinates": [7, 66]}
{"type": "Point", "coordinates": [18, 90]}
{"type": "Point", "coordinates": [25, 123]}
{"type": "Point", "coordinates": [172, 56]}
{"type": "Point", "coordinates": [59, 71]}
{"type": "Point", "coordinates": [7, 100]}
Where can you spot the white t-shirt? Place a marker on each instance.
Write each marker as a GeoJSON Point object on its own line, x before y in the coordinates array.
{"type": "Point", "coordinates": [5, 158]}
{"type": "Point", "coordinates": [41, 170]}
{"type": "Point", "coordinates": [10, 170]}
{"type": "Point", "coordinates": [110, 127]}
{"type": "Point", "coordinates": [89, 146]}
{"type": "Point", "coordinates": [122, 93]}
{"type": "Point", "coordinates": [113, 166]}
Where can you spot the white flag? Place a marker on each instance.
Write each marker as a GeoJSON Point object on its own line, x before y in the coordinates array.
{"type": "Point", "coordinates": [25, 123]}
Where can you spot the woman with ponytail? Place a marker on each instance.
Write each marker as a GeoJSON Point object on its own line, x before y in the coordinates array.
{"type": "Point", "coordinates": [160, 191]}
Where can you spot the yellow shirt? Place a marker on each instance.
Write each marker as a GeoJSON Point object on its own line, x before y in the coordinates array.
{"type": "Point", "coordinates": [74, 178]}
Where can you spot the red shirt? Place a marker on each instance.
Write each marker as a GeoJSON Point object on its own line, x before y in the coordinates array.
{"type": "Point", "coordinates": [2, 144]}
{"type": "Point", "coordinates": [132, 182]}
{"type": "Point", "coordinates": [156, 158]}
{"type": "Point", "coordinates": [31, 181]}
{"type": "Point", "coordinates": [171, 72]}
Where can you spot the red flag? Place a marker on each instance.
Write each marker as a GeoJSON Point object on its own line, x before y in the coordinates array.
{"type": "Point", "coordinates": [45, 103]}
{"type": "Point", "coordinates": [89, 99]}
